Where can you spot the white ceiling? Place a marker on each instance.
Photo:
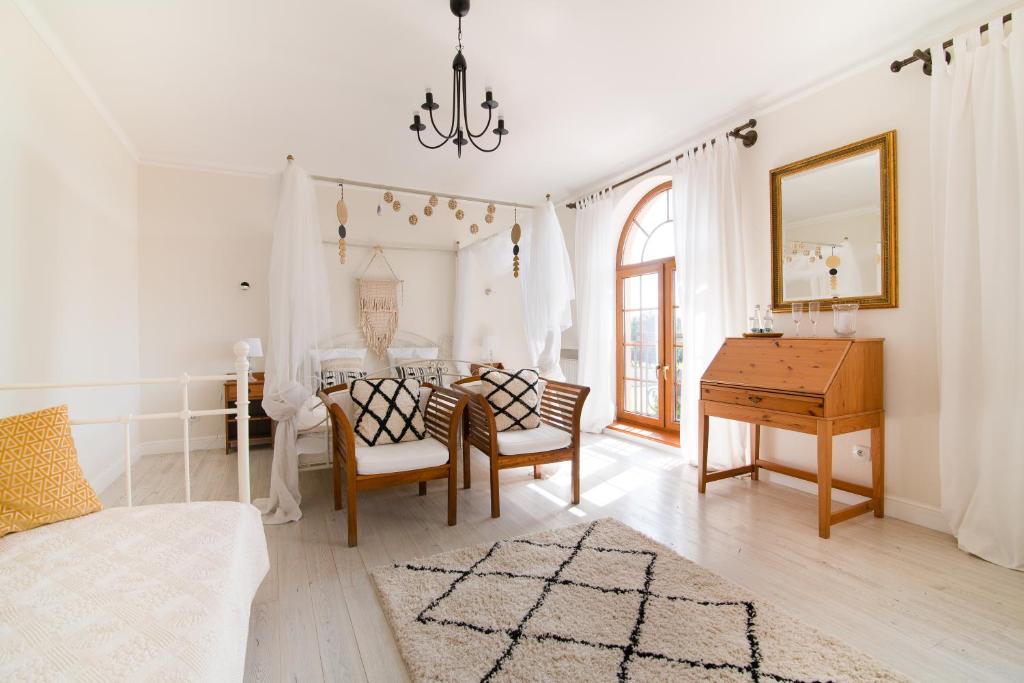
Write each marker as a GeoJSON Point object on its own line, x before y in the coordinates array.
{"type": "Point", "coordinates": [589, 87]}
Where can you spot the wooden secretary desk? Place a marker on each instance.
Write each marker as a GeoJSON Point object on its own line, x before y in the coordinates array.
{"type": "Point", "coordinates": [820, 386]}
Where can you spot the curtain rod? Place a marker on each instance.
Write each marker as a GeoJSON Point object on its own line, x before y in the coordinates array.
{"type": "Point", "coordinates": [926, 54]}
{"type": "Point", "coordinates": [749, 138]}
{"type": "Point", "coordinates": [410, 190]}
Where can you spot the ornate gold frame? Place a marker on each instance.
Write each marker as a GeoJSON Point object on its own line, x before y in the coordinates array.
{"type": "Point", "coordinates": [886, 144]}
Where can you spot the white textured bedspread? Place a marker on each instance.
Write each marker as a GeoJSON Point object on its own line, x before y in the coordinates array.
{"type": "Point", "coordinates": [150, 593]}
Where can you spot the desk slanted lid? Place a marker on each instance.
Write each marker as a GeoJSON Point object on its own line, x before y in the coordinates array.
{"type": "Point", "coordinates": [805, 366]}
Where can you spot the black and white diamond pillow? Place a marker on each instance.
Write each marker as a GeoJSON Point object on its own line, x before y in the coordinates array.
{"type": "Point", "coordinates": [387, 411]}
{"type": "Point", "coordinates": [513, 397]}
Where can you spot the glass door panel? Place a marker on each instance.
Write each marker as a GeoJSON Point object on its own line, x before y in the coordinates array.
{"type": "Point", "coordinates": [640, 364]}
{"type": "Point", "coordinates": [676, 344]}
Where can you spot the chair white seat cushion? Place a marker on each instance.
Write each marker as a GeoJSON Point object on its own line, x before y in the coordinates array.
{"type": "Point", "coordinates": [537, 440]}
{"type": "Point", "coordinates": [400, 457]}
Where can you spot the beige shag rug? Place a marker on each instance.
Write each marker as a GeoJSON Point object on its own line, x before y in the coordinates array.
{"type": "Point", "coordinates": [596, 602]}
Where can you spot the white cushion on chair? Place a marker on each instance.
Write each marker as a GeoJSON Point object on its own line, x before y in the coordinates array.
{"type": "Point", "coordinates": [401, 457]}
{"type": "Point", "coordinates": [543, 438]}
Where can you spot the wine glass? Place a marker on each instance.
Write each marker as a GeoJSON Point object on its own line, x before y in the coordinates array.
{"type": "Point", "coordinates": [813, 309]}
{"type": "Point", "coordinates": [798, 310]}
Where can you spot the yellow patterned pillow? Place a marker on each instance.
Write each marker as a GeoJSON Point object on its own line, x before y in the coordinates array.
{"type": "Point", "coordinates": [40, 480]}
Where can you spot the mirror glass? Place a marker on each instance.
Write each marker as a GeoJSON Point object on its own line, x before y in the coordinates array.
{"type": "Point", "coordinates": [832, 230]}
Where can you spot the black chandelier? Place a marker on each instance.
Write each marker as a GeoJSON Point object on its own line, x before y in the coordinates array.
{"type": "Point", "coordinates": [459, 132]}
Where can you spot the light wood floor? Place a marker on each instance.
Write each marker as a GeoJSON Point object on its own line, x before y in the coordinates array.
{"type": "Point", "coordinates": [899, 592]}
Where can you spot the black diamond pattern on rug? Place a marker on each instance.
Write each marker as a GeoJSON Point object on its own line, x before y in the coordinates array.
{"type": "Point", "coordinates": [556, 593]}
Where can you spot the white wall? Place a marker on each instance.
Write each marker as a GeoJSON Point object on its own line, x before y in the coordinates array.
{"type": "Point", "coordinates": [859, 106]}
{"type": "Point", "coordinates": [202, 233]}
{"type": "Point", "coordinates": [68, 265]}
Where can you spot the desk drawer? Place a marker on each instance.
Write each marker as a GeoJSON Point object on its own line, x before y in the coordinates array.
{"type": "Point", "coordinates": [231, 391]}
{"type": "Point", "coordinates": [786, 403]}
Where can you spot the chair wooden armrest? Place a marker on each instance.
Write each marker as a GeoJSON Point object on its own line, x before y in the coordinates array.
{"type": "Point", "coordinates": [343, 442]}
{"type": "Point", "coordinates": [479, 429]}
{"type": "Point", "coordinates": [443, 416]}
{"type": "Point", "coordinates": [561, 406]}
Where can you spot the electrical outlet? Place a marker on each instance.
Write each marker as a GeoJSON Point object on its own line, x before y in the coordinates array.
{"type": "Point", "coordinates": [862, 452]}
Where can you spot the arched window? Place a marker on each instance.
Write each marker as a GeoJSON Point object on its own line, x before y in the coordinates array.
{"type": "Point", "coordinates": [647, 235]}
{"type": "Point", "coordinates": [649, 367]}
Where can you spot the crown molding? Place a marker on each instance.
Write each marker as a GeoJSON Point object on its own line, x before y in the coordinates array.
{"type": "Point", "coordinates": [57, 49]}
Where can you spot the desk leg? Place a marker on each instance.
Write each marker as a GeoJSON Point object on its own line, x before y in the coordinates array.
{"type": "Point", "coordinates": [755, 448]}
{"type": "Point", "coordinates": [702, 447]}
{"type": "Point", "coordinates": [824, 477]}
{"type": "Point", "coordinates": [878, 466]}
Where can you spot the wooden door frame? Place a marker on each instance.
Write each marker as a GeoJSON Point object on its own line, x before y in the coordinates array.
{"type": "Point", "coordinates": [665, 267]}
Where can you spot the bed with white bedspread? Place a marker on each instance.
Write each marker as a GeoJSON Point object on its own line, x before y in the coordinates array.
{"type": "Point", "coordinates": [157, 592]}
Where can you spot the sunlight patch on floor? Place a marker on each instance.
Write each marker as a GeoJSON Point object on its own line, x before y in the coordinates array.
{"type": "Point", "coordinates": [618, 486]}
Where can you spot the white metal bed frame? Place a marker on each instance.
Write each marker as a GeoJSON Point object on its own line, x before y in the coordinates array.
{"type": "Point", "coordinates": [241, 378]}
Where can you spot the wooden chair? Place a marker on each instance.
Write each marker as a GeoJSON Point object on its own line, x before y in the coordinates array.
{"type": "Point", "coordinates": [443, 419]}
{"type": "Point", "coordinates": [556, 440]}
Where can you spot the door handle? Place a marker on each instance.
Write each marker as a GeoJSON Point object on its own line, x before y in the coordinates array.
{"type": "Point", "coordinates": [754, 399]}
{"type": "Point", "coordinates": [664, 372]}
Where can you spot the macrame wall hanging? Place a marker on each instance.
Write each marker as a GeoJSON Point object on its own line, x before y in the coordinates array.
{"type": "Point", "coordinates": [379, 300]}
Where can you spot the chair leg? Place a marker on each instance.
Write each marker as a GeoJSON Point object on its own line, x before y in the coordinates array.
{"type": "Point", "coordinates": [495, 503]}
{"type": "Point", "coordinates": [352, 534]}
{"type": "Point", "coordinates": [453, 486]}
{"type": "Point", "coordinates": [423, 488]}
{"type": "Point", "coordinates": [536, 471]}
{"type": "Point", "coordinates": [337, 483]}
{"type": "Point", "coordinates": [466, 448]}
{"type": "Point", "coordinates": [576, 475]}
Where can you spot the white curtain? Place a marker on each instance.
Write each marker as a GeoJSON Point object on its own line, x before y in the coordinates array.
{"type": "Point", "coordinates": [548, 291]}
{"type": "Point", "coordinates": [977, 126]}
{"type": "Point", "coordinates": [595, 245]}
{"type": "Point", "coordinates": [299, 310]}
{"type": "Point", "coordinates": [712, 284]}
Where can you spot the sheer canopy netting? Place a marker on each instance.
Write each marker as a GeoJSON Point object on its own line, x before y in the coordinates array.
{"type": "Point", "coordinates": [299, 316]}
{"type": "Point", "coordinates": [548, 291]}
{"type": "Point", "coordinates": [595, 247]}
{"type": "Point", "coordinates": [483, 259]}
{"type": "Point", "coordinates": [977, 150]}
{"type": "Point", "coordinates": [712, 284]}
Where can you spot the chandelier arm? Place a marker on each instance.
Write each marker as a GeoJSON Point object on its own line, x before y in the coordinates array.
{"type": "Point", "coordinates": [471, 136]}
{"type": "Point", "coordinates": [496, 146]}
{"type": "Point", "coordinates": [451, 129]}
{"type": "Point", "coordinates": [444, 141]}
{"type": "Point", "coordinates": [465, 107]}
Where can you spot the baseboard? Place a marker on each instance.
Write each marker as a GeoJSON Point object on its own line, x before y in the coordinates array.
{"type": "Point", "coordinates": [102, 481]}
{"type": "Point", "coordinates": [927, 516]}
{"type": "Point", "coordinates": [651, 443]}
{"type": "Point", "coordinates": [197, 443]}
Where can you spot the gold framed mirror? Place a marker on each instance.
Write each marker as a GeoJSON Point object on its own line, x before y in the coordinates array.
{"type": "Point", "coordinates": [834, 227]}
